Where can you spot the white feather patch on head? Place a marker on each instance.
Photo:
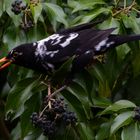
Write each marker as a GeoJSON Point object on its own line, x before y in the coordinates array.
{"type": "Point", "coordinates": [68, 40]}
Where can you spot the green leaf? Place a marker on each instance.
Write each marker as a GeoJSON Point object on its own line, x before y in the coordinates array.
{"type": "Point", "coordinates": [101, 102]}
{"type": "Point", "coordinates": [16, 132]}
{"type": "Point", "coordinates": [18, 95]}
{"type": "Point", "coordinates": [85, 131]}
{"type": "Point", "coordinates": [93, 14]}
{"type": "Point", "coordinates": [60, 74]}
{"type": "Point", "coordinates": [122, 51]}
{"type": "Point", "coordinates": [1, 7]}
{"type": "Point", "coordinates": [110, 23]}
{"type": "Point", "coordinates": [81, 95]}
{"type": "Point", "coordinates": [103, 132]}
{"type": "Point", "coordinates": [84, 4]}
{"type": "Point", "coordinates": [26, 124]}
{"type": "Point", "coordinates": [3, 50]}
{"type": "Point", "coordinates": [131, 22]}
{"type": "Point", "coordinates": [56, 13]}
{"type": "Point", "coordinates": [98, 72]}
{"type": "Point", "coordinates": [36, 11]}
{"type": "Point", "coordinates": [121, 104]}
{"type": "Point", "coordinates": [104, 89]}
{"type": "Point", "coordinates": [13, 37]}
{"type": "Point", "coordinates": [131, 132]}
{"type": "Point", "coordinates": [75, 104]}
{"type": "Point", "coordinates": [121, 120]}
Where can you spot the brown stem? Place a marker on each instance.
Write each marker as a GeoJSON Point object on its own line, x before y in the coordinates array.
{"type": "Point", "coordinates": [49, 94]}
{"type": "Point", "coordinates": [56, 92]}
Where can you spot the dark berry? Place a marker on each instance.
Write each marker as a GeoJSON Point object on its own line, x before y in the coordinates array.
{"type": "Point", "coordinates": [52, 118]}
{"type": "Point", "coordinates": [13, 4]}
{"type": "Point", "coordinates": [23, 7]}
{"type": "Point", "coordinates": [17, 6]}
{"type": "Point", "coordinates": [68, 121]}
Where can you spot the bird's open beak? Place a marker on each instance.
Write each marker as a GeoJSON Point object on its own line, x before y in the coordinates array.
{"type": "Point", "coordinates": [5, 63]}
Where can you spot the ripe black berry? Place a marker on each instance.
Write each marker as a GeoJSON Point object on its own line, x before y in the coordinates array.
{"type": "Point", "coordinates": [18, 6]}
{"type": "Point", "coordinates": [54, 115]}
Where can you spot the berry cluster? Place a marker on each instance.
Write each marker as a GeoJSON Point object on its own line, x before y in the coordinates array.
{"type": "Point", "coordinates": [137, 113]}
{"type": "Point", "coordinates": [53, 116]}
{"type": "Point", "coordinates": [18, 6]}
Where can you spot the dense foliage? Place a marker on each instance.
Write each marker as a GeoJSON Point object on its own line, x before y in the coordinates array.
{"type": "Point", "coordinates": [105, 97]}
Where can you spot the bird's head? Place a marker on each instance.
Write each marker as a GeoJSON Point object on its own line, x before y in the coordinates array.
{"type": "Point", "coordinates": [22, 55]}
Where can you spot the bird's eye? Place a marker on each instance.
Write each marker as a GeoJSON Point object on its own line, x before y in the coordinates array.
{"type": "Point", "coordinates": [15, 54]}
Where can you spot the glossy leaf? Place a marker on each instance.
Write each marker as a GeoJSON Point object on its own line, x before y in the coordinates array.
{"type": "Point", "coordinates": [121, 120]}
{"type": "Point", "coordinates": [131, 132]}
{"type": "Point", "coordinates": [121, 104]}
{"type": "Point", "coordinates": [84, 4]}
{"type": "Point", "coordinates": [93, 14]}
{"type": "Point", "coordinates": [18, 95]}
{"type": "Point", "coordinates": [36, 11]}
{"type": "Point", "coordinates": [85, 131]}
{"type": "Point", "coordinates": [103, 132]}
{"type": "Point", "coordinates": [56, 13]}
{"type": "Point", "coordinates": [26, 124]}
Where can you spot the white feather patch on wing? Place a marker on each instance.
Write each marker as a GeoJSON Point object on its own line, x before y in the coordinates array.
{"type": "Point", "coordinates": [68, 40]}
{"type": "Point", "coordinates": [41, 48]}
{"type": "Point", "coordinates": [98, 47]}
{"type": "Point", "coordinates": [110, 43]}
{"type": "Point", "coordinates": [52, 53]}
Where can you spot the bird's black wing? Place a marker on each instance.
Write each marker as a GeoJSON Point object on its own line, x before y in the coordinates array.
{"type": "Point", "coordinates": [80, 27]}
{"type": "Point", "coordinates": [58, 48]}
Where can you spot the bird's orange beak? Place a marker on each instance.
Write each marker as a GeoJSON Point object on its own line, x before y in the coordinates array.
{"type": "Point", "coordinates": [5, 63]}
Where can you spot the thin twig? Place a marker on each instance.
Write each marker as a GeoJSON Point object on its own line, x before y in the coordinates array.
{"type": "Point", "coordinates": [49, 94]}
{"type": "Point", "coordinates": [56, 92]}
{"type": "Point", "coordinates": [125, 9]}
{"type": "Point", "coordinates": [136, 10]}
{"type": "Point", "coordinates": [41, 113]}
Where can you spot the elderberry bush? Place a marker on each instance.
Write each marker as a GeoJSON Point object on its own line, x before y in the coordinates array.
{"type": "Point", "coordinates": [17, 7]}
{"type": "Point", "coordinates": [53, 116]}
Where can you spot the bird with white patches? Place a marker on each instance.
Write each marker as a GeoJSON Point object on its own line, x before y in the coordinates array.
{"type": "Point", "coordinates": [82, 41]}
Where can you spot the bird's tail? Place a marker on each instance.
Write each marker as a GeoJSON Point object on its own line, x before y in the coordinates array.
{"type": "Point", "coordinates": [121, 39]}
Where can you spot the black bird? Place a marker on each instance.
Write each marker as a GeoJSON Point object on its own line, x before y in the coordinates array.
{"type": "Point", "coordinates": [82, 41]}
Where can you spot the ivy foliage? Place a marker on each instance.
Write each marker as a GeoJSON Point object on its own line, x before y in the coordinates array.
{"type": "Point", "coordinates": [104, 96]}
